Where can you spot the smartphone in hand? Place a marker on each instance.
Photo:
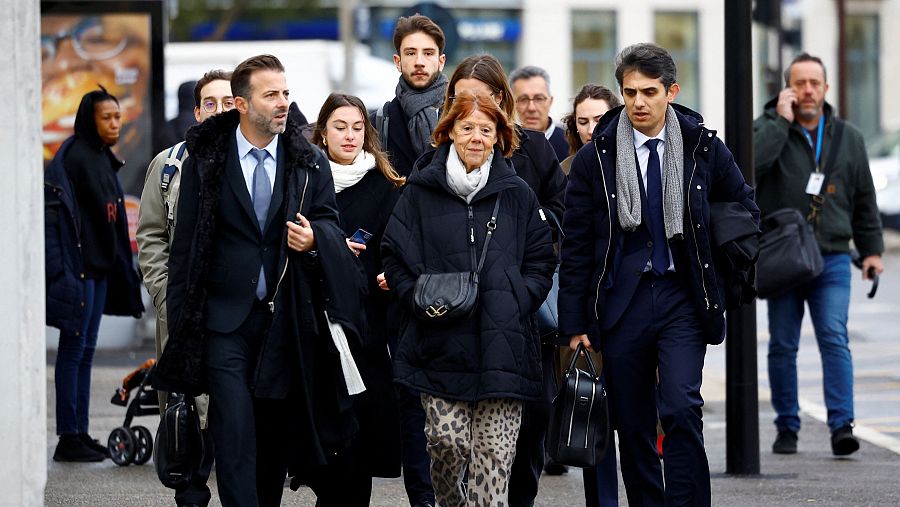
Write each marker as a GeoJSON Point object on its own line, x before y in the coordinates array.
{"type": "Point", "coordinates": [361, 236]}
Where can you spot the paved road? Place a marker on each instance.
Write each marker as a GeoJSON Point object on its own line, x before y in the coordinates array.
{"type": "Point", "coordinates": [811, 477]}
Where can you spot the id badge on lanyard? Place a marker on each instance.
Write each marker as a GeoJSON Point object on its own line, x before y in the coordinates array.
{"type": "Point", "coordinates": [814, 185]}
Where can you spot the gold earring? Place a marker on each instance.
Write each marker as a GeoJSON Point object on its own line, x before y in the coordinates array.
{"type": "Point", "coordinates": [324, 142]}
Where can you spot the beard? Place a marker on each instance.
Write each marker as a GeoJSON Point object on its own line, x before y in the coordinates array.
{"type": "Point", "coordinates": [809, 113]}
{"type": "Point", "coordinates": [267, 124]}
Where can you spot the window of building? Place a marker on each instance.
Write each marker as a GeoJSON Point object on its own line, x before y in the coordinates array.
{"type": "Point", "coordinates": [863, 91]}
{"type": "Point", "coordinates": [593, 49]}
{"type": "Point", "coordinates": [678, 33]}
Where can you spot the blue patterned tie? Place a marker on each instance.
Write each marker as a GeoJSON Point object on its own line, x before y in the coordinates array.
{"type": "Point", "coordinates": [262, 197]}
{"type": "Point", "coordinates": [659, 256]}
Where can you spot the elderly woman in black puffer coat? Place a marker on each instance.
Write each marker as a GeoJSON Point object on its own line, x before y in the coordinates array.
{"type": "Point", "coordinates": [473, 373]}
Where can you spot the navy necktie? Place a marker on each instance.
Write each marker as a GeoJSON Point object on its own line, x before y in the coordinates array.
{"type": "Point", "coordinates": [262, 197]}
{"type": "Point", "coordinates": [659, 256]}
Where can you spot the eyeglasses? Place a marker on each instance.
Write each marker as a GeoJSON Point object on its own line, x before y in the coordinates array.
{"type": "Point", "coordinates": [211, 105]}
{"type": "Point", "coordinates": [89, 41]}
{"type": "Point", "coordinates": [524, 100]}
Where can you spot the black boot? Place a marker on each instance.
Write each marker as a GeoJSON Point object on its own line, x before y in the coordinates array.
{"type": "Point", "coordinates": [71, 448]}
{"type": "Point", "coordinates": [94, 444]}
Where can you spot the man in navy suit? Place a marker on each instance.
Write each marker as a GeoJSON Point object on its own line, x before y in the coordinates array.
{"type": "Point", "coordinates": [637, 279]}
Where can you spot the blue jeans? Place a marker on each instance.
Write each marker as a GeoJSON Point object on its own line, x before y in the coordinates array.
{"type": "Point", "coordinates": [73, 363]}
{"type": "Point", "coordinates": [828, 297]}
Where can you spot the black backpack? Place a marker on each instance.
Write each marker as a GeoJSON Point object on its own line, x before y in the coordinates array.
{"type": "Point", "coordinates": [179, 443]}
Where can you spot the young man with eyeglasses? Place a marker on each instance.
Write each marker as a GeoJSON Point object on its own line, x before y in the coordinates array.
{"type": "Point", "coordinates": [531, 91]}
{"type": "Point", "coordinates": [212, 95]}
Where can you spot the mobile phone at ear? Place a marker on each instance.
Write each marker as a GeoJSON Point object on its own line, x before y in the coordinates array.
{"type": "Point", "coordinates": [361, 236]}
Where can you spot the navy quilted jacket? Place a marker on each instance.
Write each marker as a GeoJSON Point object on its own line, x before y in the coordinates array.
{"type": "Point", "coordinates": [495, 353]}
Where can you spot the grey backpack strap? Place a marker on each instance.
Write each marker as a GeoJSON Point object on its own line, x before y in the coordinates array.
{"type": "Point", "coordinates": [382, 120]}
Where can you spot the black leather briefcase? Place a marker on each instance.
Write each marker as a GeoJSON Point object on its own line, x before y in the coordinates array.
{"type": "Point", "coordinates": [579, 427]}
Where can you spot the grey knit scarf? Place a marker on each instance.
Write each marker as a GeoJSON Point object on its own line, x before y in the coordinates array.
{"type": "Point", "coordinates": [627, 173]}
{"type": "Point", "coordinates": [422, 108]}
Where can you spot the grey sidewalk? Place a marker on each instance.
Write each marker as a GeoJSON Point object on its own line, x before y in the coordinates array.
{"type": "Point", "coordinates": [813, 476]}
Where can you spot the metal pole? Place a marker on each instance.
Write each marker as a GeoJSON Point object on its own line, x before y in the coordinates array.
{"type": "Point", "coordinates": [842, 59]}
{"type": "Point", "coordinates": [741, 395]}
{"type": "Point", "coordinates": [348, 39]}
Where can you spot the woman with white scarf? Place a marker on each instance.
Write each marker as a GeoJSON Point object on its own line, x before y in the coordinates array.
{"type": "Point", "coordinates": [367, 188]}
{"type": "Point", "coordinates": [464, 207]}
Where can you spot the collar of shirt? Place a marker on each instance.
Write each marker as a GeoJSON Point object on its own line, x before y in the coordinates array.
{"type": "Point", "coordinates": [248, 161]}
{"type": "Point", "coordinates": [550, 129]}
{"type": "Point", "coordinates": [643, 152]}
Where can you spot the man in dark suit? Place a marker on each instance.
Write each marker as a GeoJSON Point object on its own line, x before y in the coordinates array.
{"type": "Point", "coordinates": [637, 279]}
{"type": "Point", "coordinates": [257, 259]}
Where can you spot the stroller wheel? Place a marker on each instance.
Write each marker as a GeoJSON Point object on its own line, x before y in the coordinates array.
{"type": "Point", "coordinates": [143, 444]}
{"type": "Point", "coordinates": [121, 446]}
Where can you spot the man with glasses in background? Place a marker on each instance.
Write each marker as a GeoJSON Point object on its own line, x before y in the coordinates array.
{"type": "Point", "coordinates": [531, 91]}
{"type": "Point", "coordinates": [156, 225]}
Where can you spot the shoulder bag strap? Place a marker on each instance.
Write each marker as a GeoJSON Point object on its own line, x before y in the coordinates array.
{"type": "Point", "coordinates": [490, 231]}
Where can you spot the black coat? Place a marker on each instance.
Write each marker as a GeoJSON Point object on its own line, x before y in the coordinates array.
{"type": "Point", "coordinates": [297, 354]}
{"type": "Point", "coordinates": [368, 205]}
{"type": "Point", "coordinates": [64, 261]}
{"type": "Point", "coordinates": [592, 250]}
{"type": "Point", "coordinates": [536, 163]}
{"type": "Point", "coordinates": [495, 353]}
{"type": "Point", "coordinates": [398, 147]}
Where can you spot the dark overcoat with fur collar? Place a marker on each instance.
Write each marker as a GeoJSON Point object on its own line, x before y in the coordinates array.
{"type": "Point", "coordinates": [297, 356]}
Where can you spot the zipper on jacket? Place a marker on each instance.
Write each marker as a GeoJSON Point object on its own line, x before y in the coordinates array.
{"type": "Point", "coordinates": [287, 259]}
{"type": "Point", "coordinates": [610, 238]}
{"type": "Point", "coordinates": [693, 226]}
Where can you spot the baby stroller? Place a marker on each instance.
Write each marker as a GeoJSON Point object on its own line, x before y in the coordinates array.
{"type": "Point", "coordinates": [134, 444]}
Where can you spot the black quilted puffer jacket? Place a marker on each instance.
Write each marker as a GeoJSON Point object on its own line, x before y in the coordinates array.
{"type": "Point", "coordinates": [495, 353]}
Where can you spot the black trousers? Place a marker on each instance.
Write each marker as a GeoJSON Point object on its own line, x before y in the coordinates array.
{"type": "Point", "coordinates": [248, 433]}
{"type": "Point", "coordinates": [529, 463]}
{"type": "Point", "coordinates": [659, 331]}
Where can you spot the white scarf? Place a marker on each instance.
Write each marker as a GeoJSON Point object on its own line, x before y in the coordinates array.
{"type": "Point", "coordinates": [466, 185]}
{"type": "Point", "coordinates": [345, 176]}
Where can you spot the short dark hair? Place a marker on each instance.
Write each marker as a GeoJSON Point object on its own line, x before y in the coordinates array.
{"type": "Point", "coordinates": [804, 57]}
{"type": "Point", "coordinates": [85, 124]}
{"type": "Point", "coordinates": [588, 91]}
{"type": "Point", "coordinates": [418, 23]}
{"type": "Point", "coordinates": [209, 77]}
{"type": "Point", "coordinates": [463, 106]}
{"type": "Point", "coordinates": [650, 60]}
{"type": "Point", "coordinates": [528, 72]}
{"type": "Point", "coordinates": [371, 143]}
{"type": "Point", "coordinates": [487, 69]}
{"type": "Point", "coordinates": [240, 78]}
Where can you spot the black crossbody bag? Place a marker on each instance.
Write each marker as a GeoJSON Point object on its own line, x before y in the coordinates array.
{"type": "Point", "coordinates": [446, 297]}
{"type": "Point", "coordinates": [789, 254]}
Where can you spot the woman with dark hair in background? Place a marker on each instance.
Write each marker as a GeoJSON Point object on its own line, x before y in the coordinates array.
{"type": "Point", "coordinates": [474, 373]}
{"type": "Point", "coordinates": [589, 105]}
{"type": "Point", "coordinates": [89, 267]}
{"type": "Point", "coordinates": [367, 188]}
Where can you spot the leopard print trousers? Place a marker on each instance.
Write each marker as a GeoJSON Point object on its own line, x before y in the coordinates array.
{"type": "Point", "coordinates": [480, 437]}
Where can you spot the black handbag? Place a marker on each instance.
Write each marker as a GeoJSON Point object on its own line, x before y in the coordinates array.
{"type": "Point", "coordinates": [179, 442]}
{"type": "Point", "coordinates": [547, 315]}
{"type": "Point", "coordinates": [446, 297]}
{"type": "Point", "coordinates": [578, 435]}
{"type": "Point", "coordinates": [788, 253]}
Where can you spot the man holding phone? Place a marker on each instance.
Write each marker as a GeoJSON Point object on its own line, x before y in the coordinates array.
{"type": "Point", "coordinates": [793, 144]}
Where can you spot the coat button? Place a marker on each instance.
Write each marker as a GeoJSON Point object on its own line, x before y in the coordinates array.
{"type": "Point", "coordinates": [699, 187]}
{"type": "Point", "coordinates": [709, 134]}
{"type": "Point", "coordinates": [706, 266]}
{"type": "Point", "coordinates": [706, 148]}
{"type": "Point", "coordinates": [649, 244]}
{"type": "Point", "coordinates": [716, 306]}
{"type": "Point", "coordinates": [82, 304]}
{"type": "Point", "coordinates": [603, 151]}
{"type": "Point", "coordinates": [77, 333]}
{"type": "Point", "coordinates": [698, 226]}
{"type": "Point", "coordinates": [613, 195]}
{"type": "Point", "coordinates": [81, 276]}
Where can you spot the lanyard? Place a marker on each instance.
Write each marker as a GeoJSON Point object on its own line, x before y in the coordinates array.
{"type": "Point", "coordinates": [818, 139]}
